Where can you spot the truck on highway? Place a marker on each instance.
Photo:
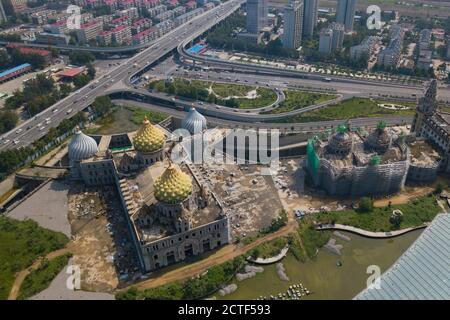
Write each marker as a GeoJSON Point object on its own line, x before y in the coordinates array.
{"type": "Point", "coordinates": [69, 111]}
{"type": "Point", "coordinates": [327, 79]}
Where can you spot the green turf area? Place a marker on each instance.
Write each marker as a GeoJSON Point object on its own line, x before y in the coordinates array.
{"type": "Point", "coordinates": [41, 278]}
{"type": "Point", "coordinates": [224, 94]}
{"type": "Point", "coordinates": [307, 240]}
{"type": "Point", "coordinates": [125, 119]}
{"type": "Point", "coordinates": [152, 116]}
{"type": "Point", "coordinates": [445, 109]}
{"type": "Point", "coordinates": [21, 243]}
{"type": "Point", "coordinates": [225, 89]}
{"type": "Point", "coordinates": [348, 109]}
{"type": "Point", "coordinates": [269, 249]}
{"type": "Point", "coordinates": [300, 99]}
{"type": "Point", "coordinates": [415, 213]}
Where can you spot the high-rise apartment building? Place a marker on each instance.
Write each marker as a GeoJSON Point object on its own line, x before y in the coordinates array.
{"type": "Point", "coordinates": [293, 24]}
{"type": "Point", "coordinates": [310, 12]}
{"type": "Point", "coordinates": [257, 12]}
{"type": "Point", "coordinates": [345, 13]}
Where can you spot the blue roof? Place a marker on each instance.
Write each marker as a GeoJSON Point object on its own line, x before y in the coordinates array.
{"type": "Point", "coordinates": [422, 272]}
{"type": "Point", "coordinates": [196, 49]}
{"type": "Point", "coordinates": [12, 70]}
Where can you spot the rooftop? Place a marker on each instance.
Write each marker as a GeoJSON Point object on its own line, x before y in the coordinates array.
{"type": "Point", "coordinates": [422, 272]}
{"type": "Point", "coordinates": [15, 69]}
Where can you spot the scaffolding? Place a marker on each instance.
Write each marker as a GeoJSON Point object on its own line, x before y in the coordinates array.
{"type": "Point", "coordinates": [313, 159]}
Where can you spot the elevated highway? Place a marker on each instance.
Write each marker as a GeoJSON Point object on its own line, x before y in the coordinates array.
{"type": "Point", "coordinates": [126, 72]}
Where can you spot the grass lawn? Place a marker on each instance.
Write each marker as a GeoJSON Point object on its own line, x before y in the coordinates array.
{"type": "Point", "coordinates": [265, 98]}
{"type": "Point", "coordinates": [224, 89]}
{"type": "Point", "coordinates": [41, 278]}
{"type": "Point", "coordinates": [126, 119]}
{"type": "Point", "coordinates": [300, 99]}
{"type": "Point", "coordinates": [21, 243]}
{"type": "Point", "coordinates": [348, 109]}
{"type": "Point", "coordinates": [139, 114]}
{"type": "Point", "coordinates": [269, 249]}
{"type": "Point", "coordinates": [415, 213]}
{"type": "Point", "coordinates": [198, 90]}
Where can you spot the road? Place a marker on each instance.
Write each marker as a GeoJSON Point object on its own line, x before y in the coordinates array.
{"type": "Point", "coordinates": [355, 89]}
{"type": "Point", "coordinates": [38, 126]}
{"type": "Point", "coordinates": [215, 117]}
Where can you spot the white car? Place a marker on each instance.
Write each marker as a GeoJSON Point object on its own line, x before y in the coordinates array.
{"type": "Point", "coordinates": [18, 131]}
{"type": "Point", "coordinates": [6, 141]}
{"type": "Point", "coordinates": [16, 141]}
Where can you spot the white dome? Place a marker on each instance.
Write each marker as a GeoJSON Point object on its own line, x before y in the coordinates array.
{"type": "Point", "coordinates": [82, 147]}
{"type": "Point", "coordinates": [194, 122]}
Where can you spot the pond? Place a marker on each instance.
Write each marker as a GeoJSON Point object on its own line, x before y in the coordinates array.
{"type": "Point", "coordinates": [323, 277]}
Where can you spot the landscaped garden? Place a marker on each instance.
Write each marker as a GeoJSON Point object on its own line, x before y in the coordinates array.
{"type": "Point", "coordinates": [300, 99]}
{"type": "Point", "coordinates": [415, 213]}
{"type": "Point", "coordinates": [350, 109]}
{"type": "Point", "coordinates": [224, 94]}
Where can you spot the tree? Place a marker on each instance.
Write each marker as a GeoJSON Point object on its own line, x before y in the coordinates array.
{"type": "Point", "coordinates": [365, 204]}
{"type": "Point", "coordinates": [440, 186]}
{"type": "Point", "coordinates": [65, 89]}
{"type": "Point", "coordinates": [255, 253]}
{"type": "Point", "coordinates": [5, 60]}
{"type": "Point", "coordinates": [8, 121]}
{"type": "Point", "coordinates": [81, 57]}
{"type": "Point", "coordinates": [90, 70]}
{"type": "Point", "coordinates": [102, 105]}
{"type": "Point", "coordinates": [80, 80]}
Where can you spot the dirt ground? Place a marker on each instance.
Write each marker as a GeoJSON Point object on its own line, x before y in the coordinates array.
{"type": "Point", "coordinates": [101, 244]}
{"type": "Point", "coordinates": [251, 199]}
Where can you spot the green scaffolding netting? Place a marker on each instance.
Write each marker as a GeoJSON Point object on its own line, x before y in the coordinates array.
{"type": "Point", "coordinates": [313, 159]}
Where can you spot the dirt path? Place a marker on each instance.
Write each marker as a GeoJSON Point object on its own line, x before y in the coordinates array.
{"type": "Point", "coordinates": [24, 273]}
{"type": "Point", "coordinates": [404, 197]}
{"type": "Point", "coordinates": [223, 255]}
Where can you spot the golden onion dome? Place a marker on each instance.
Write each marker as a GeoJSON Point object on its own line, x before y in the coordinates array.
{"type": "Point", "coordinates": [149, 138]}
{"type": "Point", "coordinates": [173, 186]}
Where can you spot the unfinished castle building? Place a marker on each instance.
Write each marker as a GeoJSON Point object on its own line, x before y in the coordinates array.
{"type": "Point", "coordinates": [170, 215]}
{"type": "Point", "coordinates": [349, 164]}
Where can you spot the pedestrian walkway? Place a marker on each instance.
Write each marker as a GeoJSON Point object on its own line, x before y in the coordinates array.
{"type": "Point", "coordinates": [368, 234]}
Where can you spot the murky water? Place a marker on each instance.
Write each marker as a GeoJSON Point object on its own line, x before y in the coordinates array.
{"type": "Point", "coordinates": [323, 277]}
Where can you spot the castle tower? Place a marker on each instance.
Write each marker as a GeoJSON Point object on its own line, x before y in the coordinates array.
{"type": "Point", "coordinates": [426, 108]}
{"type": "Point", "coordinates": [81, 147]}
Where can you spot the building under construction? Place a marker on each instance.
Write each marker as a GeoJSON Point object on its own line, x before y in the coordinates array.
{"type": "Point", "coordinates": [350, 163]}
{"type": "Point", "coordinates": [354, 163]}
